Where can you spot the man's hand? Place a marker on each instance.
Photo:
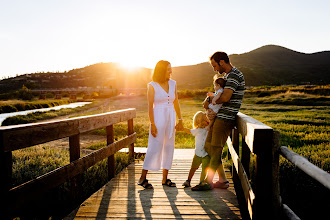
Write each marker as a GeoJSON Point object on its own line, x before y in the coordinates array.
{"type": "Point", "coordinates": [210, 114]}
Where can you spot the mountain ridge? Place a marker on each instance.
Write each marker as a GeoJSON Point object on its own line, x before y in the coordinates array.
{"type": "Point", "coordinates": [266, 65]}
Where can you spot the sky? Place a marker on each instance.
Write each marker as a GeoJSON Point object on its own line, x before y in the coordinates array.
{"type": "Point", "coordinates": [57, 36]}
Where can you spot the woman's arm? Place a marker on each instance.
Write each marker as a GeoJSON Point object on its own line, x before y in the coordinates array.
{"type": "Point", "coordinates": [177, 109]}
{"type": "Point", "coordinates": [151, 95]}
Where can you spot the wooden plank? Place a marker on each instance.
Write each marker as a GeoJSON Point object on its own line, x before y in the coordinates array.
{"type": "Point", "coordinates": [33, 188]}
{"type": "Point", "coordinates": [310, 169]}
{"type": "Point", "coordinates": [246, 156]}
{"type": "Point", "coordinates": [20, 136]}
{"type": "Point", "coordinates": [289, 213]}
{"type": "Point", "coordinates": [246, 186]}
{"type": "Point", "coordinates": [121, 198]}
{"type": "Point", "coordinates": [248, 127]}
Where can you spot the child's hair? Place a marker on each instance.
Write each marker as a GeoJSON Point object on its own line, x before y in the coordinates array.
{"type": "Point", "coordinates": [220, 81]}
{"type": "Point", "coordinates": [198, 119]}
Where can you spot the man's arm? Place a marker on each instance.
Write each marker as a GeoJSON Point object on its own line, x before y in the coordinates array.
{"type": "Point", "coordinates": [225, 96]}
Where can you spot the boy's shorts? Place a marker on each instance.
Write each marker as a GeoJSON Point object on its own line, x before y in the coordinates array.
{"type": "Point", "coordinates": [197, 161]}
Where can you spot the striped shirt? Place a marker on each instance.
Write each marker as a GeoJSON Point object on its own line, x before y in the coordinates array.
{"type": "Point", "coordinates": [234, 81]}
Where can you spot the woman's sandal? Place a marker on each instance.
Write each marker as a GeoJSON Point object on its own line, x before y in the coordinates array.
{"type": "Point", "coordinates": [169, 183]}
{"type": "Point", "coordinates": [145, 184]}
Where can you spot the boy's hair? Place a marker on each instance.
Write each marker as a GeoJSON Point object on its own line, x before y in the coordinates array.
{"type": "Point", "coordinates": [217, 56]}
{"type": "Point", "coordinates": [220, 81]}
{"type": "Point", "coordinates": [198, 119]}
{"type": "Point", "coordinates": [158, 74]}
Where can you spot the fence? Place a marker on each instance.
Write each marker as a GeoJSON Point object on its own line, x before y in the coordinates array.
{"type": "Point", "coordinates": [260, 140]}
{"type": "Point", "coordinates": [23, 136]}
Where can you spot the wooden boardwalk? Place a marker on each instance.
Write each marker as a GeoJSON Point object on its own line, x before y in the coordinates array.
{"type": "Point", "coordinates": [122, 198]}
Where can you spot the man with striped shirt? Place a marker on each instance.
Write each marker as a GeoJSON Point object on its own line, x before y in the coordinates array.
{"type": "Point", "coordinates": [231, 100]}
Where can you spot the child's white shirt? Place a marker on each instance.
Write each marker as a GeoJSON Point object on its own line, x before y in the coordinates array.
{"type": "Point", "coordinates": [216, 107]}
{"type": "Point", "coordinates": [200, 137]}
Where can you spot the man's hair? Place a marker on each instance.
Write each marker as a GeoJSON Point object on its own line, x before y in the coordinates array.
{"type": "Point", "coordinates": [217, 56]}
{"type": "Point", "coordinates": [220, 81]}
{"type": "Point", "coordinates": [158, 74]}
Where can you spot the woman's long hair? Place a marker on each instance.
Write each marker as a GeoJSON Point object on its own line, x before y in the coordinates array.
{"type": "Point", "coordinates": [158, 75]}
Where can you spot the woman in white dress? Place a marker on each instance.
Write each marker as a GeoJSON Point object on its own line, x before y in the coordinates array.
{"type": "Point", "coordinates": [163, 103]}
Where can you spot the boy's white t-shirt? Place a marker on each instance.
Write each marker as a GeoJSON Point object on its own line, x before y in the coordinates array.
{"type": "Point", "coordinates": [200, 137]}
{"type": "Point", "coordinates": [216, 107]}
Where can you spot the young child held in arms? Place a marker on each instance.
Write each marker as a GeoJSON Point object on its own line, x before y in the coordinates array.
{"type": "Point", "coordinates": [200, 122]}
{"type": "Point", "coordinates": [219, 84]}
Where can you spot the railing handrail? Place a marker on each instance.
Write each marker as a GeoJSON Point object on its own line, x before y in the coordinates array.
{"type": "Point", "coordinates": [261, 140]}
{"type": "Point", "coordinates": [15, 197]}
{"type": "Point", "coordinates": [257, 138]}
{"type": "Point", "coordinates": [303, 164]}
{"type": "Point", "coordinates": [16, 137]}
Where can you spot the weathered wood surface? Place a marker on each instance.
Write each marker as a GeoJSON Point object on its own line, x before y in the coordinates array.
{"type": "Point", "coordinates": [122, 198]}
{"type": "Point", "coordinates": [20, 136]}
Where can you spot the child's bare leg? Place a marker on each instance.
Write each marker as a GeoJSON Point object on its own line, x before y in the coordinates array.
{"type": "Point", "coordinates": [191, 173]}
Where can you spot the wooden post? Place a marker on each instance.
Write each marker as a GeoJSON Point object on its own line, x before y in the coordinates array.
{"type": "Point", "coordinates": [246, 157]}
{"type": "Point", "coordinates": [75, 182]}
{"type": "Point", "coordinates": [277, 203]}
{"type": "Point", "coordinates": [6, 181]}
{"type": "Point", "coordinates": [74, 143]}
{"type": "Point", "coordinates": [235, 140]}
{"type": "Point", "coordinates": [131, 131]}
{"type": "Point", "coordinates": [111, 159]}
{"type": "Point", "coordinates": [262, 147]}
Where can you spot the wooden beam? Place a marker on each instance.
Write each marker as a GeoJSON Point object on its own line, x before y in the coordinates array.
{"type": "Point", "coordinates": [248, 127]}
{"type": "Point", "coordinates": [247, 189]}
{"type": "Point", "coordinates": [310, 169]}
{"type": "Point", "coordinates": [289, 213]}
{"type": "Point", "coordinates": [21, 136]}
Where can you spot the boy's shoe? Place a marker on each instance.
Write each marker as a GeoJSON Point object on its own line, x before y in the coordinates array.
{"type": "Point", "coordinates": [221, 185]}
{"type": "Point", "coordinates": [202, 187]}
{"type": "Point", "coordinates": [186, 183]}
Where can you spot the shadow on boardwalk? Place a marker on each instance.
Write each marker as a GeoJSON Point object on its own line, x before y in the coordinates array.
{"type": "Point", "coordinates": [122, 198]}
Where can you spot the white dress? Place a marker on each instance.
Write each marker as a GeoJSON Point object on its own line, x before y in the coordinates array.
{"type": "Point", "coordinates": [161, 148]}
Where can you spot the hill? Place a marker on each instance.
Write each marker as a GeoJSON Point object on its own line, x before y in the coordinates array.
{"type": "Point", "coordinates": [267, 65]}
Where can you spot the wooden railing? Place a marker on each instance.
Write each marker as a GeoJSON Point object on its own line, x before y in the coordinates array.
{"type": "Point", "coordinates": [264, 201]}
{"type": "Point", "coordinates": [310, 169]}
{"type": "Point", "coordinates": [23, 136]}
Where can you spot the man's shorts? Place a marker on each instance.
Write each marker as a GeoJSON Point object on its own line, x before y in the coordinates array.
{"type": "Point", "coordinates": [219, 132]}
{"type": "Point", "coordinates": [216, 140]}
